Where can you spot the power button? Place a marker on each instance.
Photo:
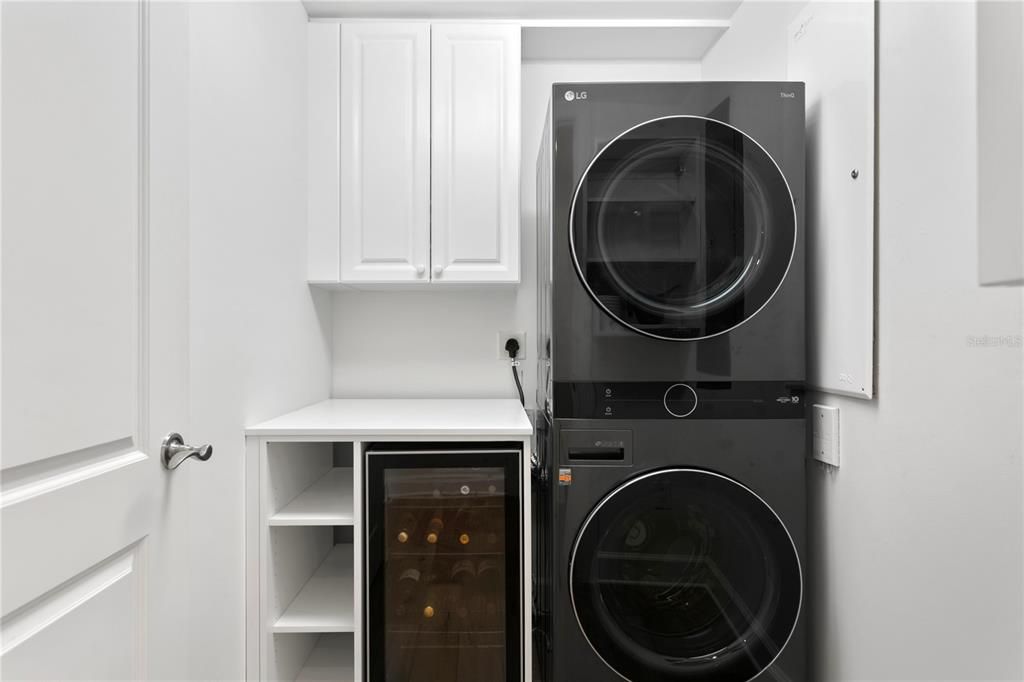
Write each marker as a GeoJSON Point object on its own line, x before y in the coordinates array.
{"type": "Point", "coordinates": [680, 400]}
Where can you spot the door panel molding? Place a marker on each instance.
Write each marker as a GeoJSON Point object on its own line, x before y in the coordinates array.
{"type": "Point", "coordinates": [120, 572]}
{"type": "Point", "coordinates": [49, 475]}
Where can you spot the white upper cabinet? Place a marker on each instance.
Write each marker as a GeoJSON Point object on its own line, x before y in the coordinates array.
{"type": "Point", "coordinates": [413, 153]}
{"type": "Point", "coordinates": [474, 126]}
{"type": "Point", "coordinates": [384, 123]}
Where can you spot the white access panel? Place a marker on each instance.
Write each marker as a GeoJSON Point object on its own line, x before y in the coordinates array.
{"type": "Point", "coordinates": [832, 49]}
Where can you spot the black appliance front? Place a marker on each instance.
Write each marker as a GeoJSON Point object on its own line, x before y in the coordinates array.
{"type": "Point", "coordinates": [678, 551]}
{"type": "Point", "coordinates": [443, 565]}
{"type": "Point", "coordinates": [676, 246]}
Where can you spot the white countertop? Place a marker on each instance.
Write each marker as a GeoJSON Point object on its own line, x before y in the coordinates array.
{"type": "Point", "coordinates": [381, 417]}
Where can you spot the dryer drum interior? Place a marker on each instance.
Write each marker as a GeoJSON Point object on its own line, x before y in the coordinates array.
{"type": "Point", "coordinates": [685, 574]}
{"type": "Point", "coordinates": [682, 228]}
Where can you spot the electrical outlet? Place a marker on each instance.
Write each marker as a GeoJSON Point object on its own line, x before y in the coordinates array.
{"type": "Point", "coordinates": [503, 337]}
{"type": "Point", "coordinates": [825, 434]}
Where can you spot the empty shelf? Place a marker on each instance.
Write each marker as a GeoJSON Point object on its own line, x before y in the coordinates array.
{"type": "Point", "coordinates": [328, 502]}
{"type": "Point", "coordinates": [331, 660]}
{"type": "Point", "coordinates": [324, 604]}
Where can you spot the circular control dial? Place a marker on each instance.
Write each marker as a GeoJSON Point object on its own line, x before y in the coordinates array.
{"type": "Point", "coordinates": [680, 400]}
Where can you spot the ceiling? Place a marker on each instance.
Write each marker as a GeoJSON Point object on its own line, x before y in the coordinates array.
{"type": "Point", "coordinates": [527, 10]}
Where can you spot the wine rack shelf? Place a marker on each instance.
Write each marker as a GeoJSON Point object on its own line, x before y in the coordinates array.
{"type": "Point", "coordinates": [324, 604]}
{"type": "Point", "coordinates": [327, 502]}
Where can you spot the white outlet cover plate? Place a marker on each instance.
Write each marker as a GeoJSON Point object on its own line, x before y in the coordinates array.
{"type": "Point", "coordinates": [518, 336]}
{"type": "Point", "coordinates": [825, 434]}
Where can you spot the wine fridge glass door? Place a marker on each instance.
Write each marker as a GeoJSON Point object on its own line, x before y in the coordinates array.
{"type": "Point", "coordinates": [443, 564]}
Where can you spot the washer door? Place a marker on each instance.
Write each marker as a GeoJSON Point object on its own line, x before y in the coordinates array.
{"type": "Point", "coordinates": [683, 574]}
{"type": "Point", "coordinates": [682, 228]}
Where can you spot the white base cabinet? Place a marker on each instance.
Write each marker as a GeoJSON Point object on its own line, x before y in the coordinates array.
{"type": "Point", "coordinates": [413, 139]}
{"type": "Point", "coordinates": [305, 512]}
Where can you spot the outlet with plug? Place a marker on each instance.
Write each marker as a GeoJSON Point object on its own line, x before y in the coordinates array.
{"type": "Point", "coordinates": [503, 339]}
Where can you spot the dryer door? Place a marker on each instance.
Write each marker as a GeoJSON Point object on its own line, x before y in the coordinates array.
{"type": "Point", "coordinates": [682, 228]}
{"type": "Point", "coordinates": [683, 574]}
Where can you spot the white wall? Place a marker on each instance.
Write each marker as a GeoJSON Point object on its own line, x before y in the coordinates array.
{"type": "Point", "coordinates": [917, 538]}
{"type": "Point", "coordinates": [755, 46]}
{"type": "Point", "coordinates": [916, 568]}
{"type": "Point", "coordinates": [444, 343]}
{"type": "Point", "coordinates": [260, 337]}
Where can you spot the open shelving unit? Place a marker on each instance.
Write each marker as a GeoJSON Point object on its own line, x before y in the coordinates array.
{"type": "Point", "coordinates": [309, 596]}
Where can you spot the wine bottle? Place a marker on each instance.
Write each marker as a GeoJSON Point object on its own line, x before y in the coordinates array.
{"type": "Point", "coordinates": [489, 584]}
{"type": "Point", "coordinates": [409, 578]}
{"type": "Point", "coordinates": [488, 573]}
{"type": "Point", "coordinates": [408, 583]}
{"type": "Point", "coordinates": [463, 526]}
{"type": "Point", "coordinates": [405, 588]}
{"type": "Point", "coordinates": [406, 527]}
{"type": "Point", "coordinates": [463, 572]}
{"type": "Point", "coordinates": [492, 614]}
{"type": "Point", "coordinates": [434, 528]}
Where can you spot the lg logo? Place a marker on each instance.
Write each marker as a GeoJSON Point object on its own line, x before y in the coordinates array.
{"type": "Point", "coordinates": [570, 95]}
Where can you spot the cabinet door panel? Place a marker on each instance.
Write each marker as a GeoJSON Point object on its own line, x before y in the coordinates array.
{"type": "Point", "coordinates": [385, 153]}
{"type": "Point", "coordinates": [475, 152]}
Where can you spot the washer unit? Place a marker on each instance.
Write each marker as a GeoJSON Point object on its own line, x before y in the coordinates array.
{"type": "Point", "coordinates": [678, 550]}
{"type": "Point", "coordinates": [670, 250]}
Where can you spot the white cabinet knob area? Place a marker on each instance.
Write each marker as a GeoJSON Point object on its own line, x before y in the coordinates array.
{"type": "Point", "coordinates": [414, 136]}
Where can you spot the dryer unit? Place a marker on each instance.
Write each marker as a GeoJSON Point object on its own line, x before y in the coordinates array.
{"type": "Point", "coordinates": [671, 250]}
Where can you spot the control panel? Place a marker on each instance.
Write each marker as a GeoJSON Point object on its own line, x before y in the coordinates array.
{"type": "Point", "coordinates": [679, 400]}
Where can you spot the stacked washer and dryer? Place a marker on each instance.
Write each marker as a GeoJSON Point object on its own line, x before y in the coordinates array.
{"type": "Point", "coordinates": [671, 430]}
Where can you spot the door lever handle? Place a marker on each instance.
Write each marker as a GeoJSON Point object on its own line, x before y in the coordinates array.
{"type": "Point", "coordinates": [174, 451]}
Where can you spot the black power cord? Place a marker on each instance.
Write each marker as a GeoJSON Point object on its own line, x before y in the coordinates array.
{"type": "Point", "coordinates": [512, 348]}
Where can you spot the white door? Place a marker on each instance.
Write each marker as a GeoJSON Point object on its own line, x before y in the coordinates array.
{"type": "Point", "coordinates": [475, 115]}
{"type": "Point", "coordinates": [95, 565]}
{"type": "Point", "coordinates": [385, 152]}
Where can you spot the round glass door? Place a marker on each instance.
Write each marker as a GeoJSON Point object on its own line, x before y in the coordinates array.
{"type": "Point", "coordinates": [685, 574]}
{"type": "Point", "coordinates": [682, 228]}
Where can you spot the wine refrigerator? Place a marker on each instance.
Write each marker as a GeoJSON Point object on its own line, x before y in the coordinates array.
{"type": "Point", "coordinates": [444, 564]}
